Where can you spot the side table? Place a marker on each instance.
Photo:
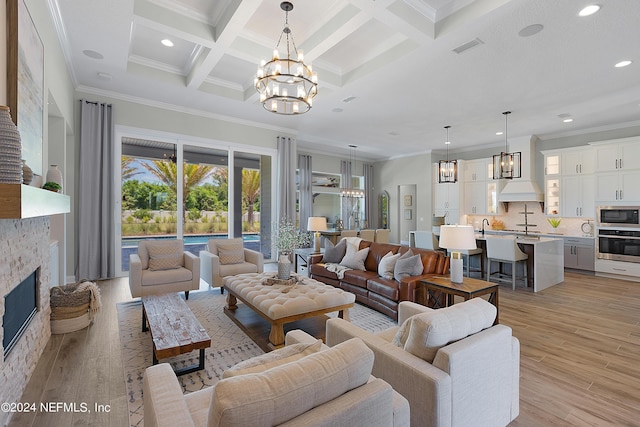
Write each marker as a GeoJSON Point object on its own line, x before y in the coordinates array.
{"type": "Point", "coordinates": [438, 292]}
{"type": "Point", "coordinates": [301, 260]}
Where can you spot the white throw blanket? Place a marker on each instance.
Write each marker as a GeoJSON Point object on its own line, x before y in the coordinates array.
{"type": "Point", "coordinates": [337, 268]}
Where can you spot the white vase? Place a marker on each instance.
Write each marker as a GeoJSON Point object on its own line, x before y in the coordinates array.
{"type": "Point", "coordinates": [54, 175]}
{"type": "Point", "coordinates": [284, 267]}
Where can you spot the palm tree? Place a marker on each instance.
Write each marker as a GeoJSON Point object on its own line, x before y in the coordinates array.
{"type": "Point", "coordinates": [250, 190]}
{"type": "Point", "coordinates": [167, 172]}
{"type": "Point", "coordinates": [128, 171]}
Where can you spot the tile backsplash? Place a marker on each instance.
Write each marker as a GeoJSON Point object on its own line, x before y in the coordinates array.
{"type": "Point", "coordinates": [511, 219]}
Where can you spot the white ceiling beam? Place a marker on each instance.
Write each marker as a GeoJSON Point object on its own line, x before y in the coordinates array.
{"type": "Point", "coordinates": [233, 23]}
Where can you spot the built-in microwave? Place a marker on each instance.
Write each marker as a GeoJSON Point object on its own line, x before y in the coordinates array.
{"type": "Point", "coordinates": [618, 216]}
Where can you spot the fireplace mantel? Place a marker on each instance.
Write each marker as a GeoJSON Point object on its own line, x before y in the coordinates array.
{"type": "Point", "coordinates": [23, 201]}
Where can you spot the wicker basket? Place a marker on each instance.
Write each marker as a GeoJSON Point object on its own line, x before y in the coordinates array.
{"type": "Point", "coordinates": [69, 308]}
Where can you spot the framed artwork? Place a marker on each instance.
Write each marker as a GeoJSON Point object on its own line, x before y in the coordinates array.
{"type": "Point", "coordinates": [25, 81]}
{"type": "Point", "coordinates": [407, 213]}
{"type": "Point", "coordinates": [408, 200]}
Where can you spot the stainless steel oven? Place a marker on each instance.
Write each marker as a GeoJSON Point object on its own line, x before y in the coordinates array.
{"type": "Point", "coordinates": [618, 244]}
{"type": "Point", "coordinates": [618, 216]}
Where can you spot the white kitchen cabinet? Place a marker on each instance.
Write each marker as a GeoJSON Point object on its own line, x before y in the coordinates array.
{"type": "Point", "coordinates": [447, 196]}
{"type": "Point", "coordinates": [618, 186]}
{"type": "Point", "coordinates": [552, 182]}
{"type": "Point", "coordinates": [578, 199]}
{"type": "Point", "coordinates": [578, 162]}
{"type": "Point", "coordinates": [475, 199]}
{"type": "Point", "coordinates": [480, 189]}
{"type": "Point", "coordinates": [621, 154]}
{"type": "Point", "coordinates": [451, 216]}
{"type": "Point", "coordinates": [476, 170]}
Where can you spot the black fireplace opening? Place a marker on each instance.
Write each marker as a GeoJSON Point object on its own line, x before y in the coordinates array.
{"type": "Point", "coordinates": [20, 306]}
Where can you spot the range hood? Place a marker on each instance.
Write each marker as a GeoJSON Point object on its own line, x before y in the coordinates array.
{"type": "Point", "coordinates": [524, 189]}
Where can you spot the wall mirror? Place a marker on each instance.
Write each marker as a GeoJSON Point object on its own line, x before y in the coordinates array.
{"type": "Point", "coordinates": [383, 204]}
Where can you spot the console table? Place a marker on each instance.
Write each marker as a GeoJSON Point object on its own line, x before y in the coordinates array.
{"type": "Point", "coordinates": [439, 291]}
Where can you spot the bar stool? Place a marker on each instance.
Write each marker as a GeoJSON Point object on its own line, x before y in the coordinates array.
{"type": "Point", "coordinates": [505, 249]}
{"type": "Point", "coordinates": [426, 240]}
{"type": "Point", "coordinates": [468, 253]}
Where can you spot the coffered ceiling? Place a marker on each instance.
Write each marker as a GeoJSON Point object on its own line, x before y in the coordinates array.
{"type": "Point", "coordinates": [389, 75]}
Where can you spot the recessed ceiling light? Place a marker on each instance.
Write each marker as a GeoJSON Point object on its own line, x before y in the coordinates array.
{"type": "Point", "coordinates": [167, 42]}
{"type": "Point", "coordinates": [623, 64]}
{"type": "Point", "coordinates": [93, 54]}
{"type": "Point", "coordinates": [589, 10]}
{"type": "Point", "coordinates": [530, 30]}
{"type": "Point", "coordinates": [567, 120]}
{"type": "Point", "coordinates": [499, 133]}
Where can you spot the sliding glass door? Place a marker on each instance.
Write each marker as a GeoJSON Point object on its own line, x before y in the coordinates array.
{"type": "Point", "coordinates": [195, 191]}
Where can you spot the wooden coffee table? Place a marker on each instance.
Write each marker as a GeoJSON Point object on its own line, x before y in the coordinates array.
{"type": "Point", "coordinates": [174, 329]}
{"type": "Point", "coordinates": [439, 291]}
{"type": "Point", "coordinates": [279, 305]}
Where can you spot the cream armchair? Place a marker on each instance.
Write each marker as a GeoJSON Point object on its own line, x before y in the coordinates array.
{"type": "Point", "coordinates": [228, 257]}
{"type": "Point", "coordinates": [471, 381]}
{"type": "Point", "coordinates": [306, 388]}
{"type": "Point", "coordinates": [163, 266]}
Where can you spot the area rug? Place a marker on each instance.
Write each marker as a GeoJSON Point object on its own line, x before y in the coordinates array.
{"type": "Point", "coordinates": [229, 345]}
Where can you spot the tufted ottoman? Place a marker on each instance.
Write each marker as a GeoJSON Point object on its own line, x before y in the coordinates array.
{"type": "Point", "coordinates": [279, 304]}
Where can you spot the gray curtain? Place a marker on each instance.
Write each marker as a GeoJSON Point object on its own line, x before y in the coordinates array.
{"type": "Point", "coordinates": [306, 195]}
{"type": "Point", "coordinates": [95, 204]}
{"type": "Point", "coordinates": [286, 178]}
{"type": "Point", "coordinates": [346, 182]}
{"type": "Point", "coordinates": [367, 172]}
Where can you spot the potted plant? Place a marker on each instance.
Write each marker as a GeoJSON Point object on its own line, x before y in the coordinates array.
{"type": "Point", "coordinates": [288, 239]}
{"type": "Point", "coordinates": [554, 222]}
{"type": "Point", "coordinates": [52, 186]}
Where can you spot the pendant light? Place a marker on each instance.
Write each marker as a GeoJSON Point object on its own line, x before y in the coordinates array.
{"type": "Point", "coordinates": [447, 169]}
{"type": "Point", "coordinates": [507, 165]}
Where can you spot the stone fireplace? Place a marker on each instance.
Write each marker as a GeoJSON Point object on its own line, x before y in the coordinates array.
{"type": "Point", "coordinates": [24, 248]}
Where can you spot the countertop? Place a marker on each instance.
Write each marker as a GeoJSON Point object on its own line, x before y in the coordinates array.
{"type": "Point", "coordinates": [550, 235]}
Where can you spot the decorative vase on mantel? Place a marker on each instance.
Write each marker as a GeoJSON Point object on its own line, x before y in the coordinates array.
{"type": "Point", "coordinates": [284, 267]}
{"type": "Point", "coordinates": [54, 175]}
{"type": "Point", "coordinates": [10, 149]}
{"type": "Point", "coordinates": [27, 173]}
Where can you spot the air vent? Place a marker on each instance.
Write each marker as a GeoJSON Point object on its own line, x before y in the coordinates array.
{"type": "Point", "coordinates": [473, 43]}
{"type": "Point", "coordinates": [349, 99]}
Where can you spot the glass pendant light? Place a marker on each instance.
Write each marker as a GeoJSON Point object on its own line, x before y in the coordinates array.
{"type": "Point", "coordinates": [507, 165]}
{"type": "Point", "coordinates": [447, 169]}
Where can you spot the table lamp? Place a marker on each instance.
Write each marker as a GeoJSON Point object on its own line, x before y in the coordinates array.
{"type": "Point", "coordinates": [316, 224]}
{"type": "Point", "coordinates": [457, 238]}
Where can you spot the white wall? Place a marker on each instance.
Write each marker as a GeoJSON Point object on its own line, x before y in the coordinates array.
{"type": "Point", "coordinates": [404, 171]}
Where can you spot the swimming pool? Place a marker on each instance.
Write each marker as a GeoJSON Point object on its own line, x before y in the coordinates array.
{"type": "Point", "coordinates": [191, 239]}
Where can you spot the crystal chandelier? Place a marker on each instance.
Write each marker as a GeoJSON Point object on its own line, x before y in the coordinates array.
{"type": "Point", "coordinates": [507, 165]}
{"type": "Point", "coordinates": [447, 169]}
{"type": "Point", "coordinates": [347, 190]}
{"type": "Point", "coordinates": [286, 86]}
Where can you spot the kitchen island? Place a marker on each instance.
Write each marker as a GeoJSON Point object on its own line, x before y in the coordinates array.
{"type": "Point", "coordinates": [545, 265]}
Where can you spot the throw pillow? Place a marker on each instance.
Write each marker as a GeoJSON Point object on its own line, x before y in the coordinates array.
{"type": "Point", "coordinates": [387, 265]}
{"type": "Point", "coordinates": [230, 251]}
{"type": "Point", "coordinates": [406, 267]}
{"type": "Point", "coordinates": [355, 260]}
{"type": "Point", "coordinates": [164, 256]}
{"type": "Point", "coordinates": [272, 359]}
{"type": "Point", "coordinates": [287, 391]}
{"type": "Point", "coordinates": [334, 254]}
{"type": "Point", "coordinates": [424, 334]}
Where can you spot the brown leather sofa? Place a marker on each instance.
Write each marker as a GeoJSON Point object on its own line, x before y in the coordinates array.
{"type": "Point", "coordinates": [379, 293]}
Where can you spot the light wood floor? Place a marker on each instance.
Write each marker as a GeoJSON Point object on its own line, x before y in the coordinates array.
{"type": "Point", "coordinates": [580, 358]}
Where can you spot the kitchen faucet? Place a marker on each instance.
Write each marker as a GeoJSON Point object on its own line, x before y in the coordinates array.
{"type": "Point", "coordinates": [483, 221]}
